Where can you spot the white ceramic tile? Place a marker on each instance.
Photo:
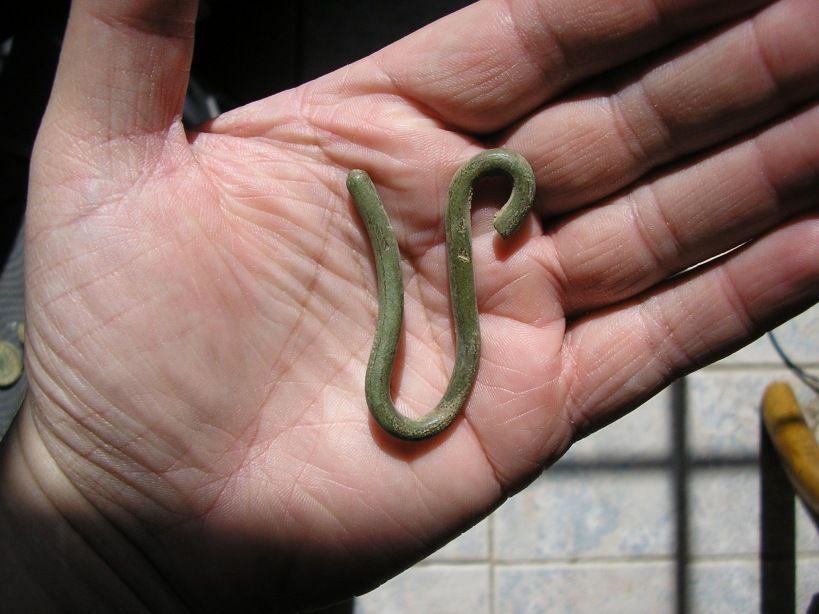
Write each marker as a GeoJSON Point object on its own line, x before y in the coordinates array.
{"type": "Point", "coordinates": [424, 589]}
{"type": "Point", "coordinates": [724, 411]}
{"type": "Point", "coordinates": [585, 588]}
{"type": "Point", "coordinates": [723, 417]}
{"type": "Point", "coordinates": [724, 514]}
{"type": "Point", "coordinates": [724, 587]}
{"type": "Point", "coordinates": [727, 587]}
{"type": "Point", "coordinates": [587, 513]}
{"type": "Point", "coordinates": [724, 511]}
{"type": "Point", "coordinates": [807, 533]}
{"type": "Point", "coordinates": [642, 435]}
{"type": "Point", "coordinates": [470, 546]}
{"type": "Point", "coordinates": [807, 584]}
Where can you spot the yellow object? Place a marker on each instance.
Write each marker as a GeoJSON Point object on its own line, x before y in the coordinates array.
{"type": "Point", "coordinates": [11, 364]}
{"type": "Point", "coordinates": [793, 440]}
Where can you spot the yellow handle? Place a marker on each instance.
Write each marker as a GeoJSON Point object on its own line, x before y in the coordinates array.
{"type": "Point", "coordinates": [793, 440]}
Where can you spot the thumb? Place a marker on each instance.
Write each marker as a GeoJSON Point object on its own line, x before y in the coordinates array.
{"type": "Point", "coordinates": [124, 66]}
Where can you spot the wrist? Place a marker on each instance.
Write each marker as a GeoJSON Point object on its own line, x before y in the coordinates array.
{"type": "Point", "coordinates": [59, 552]}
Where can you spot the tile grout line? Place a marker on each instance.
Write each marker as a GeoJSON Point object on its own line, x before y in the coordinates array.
{"type": "Point", "coordinates": [632, 560]}
{"type": "Point", "coordinates": [679, 478]}
{"type": "Point", "coordinates": [490, 530]}
{"type": "Point", "coordinates": [752, 367]}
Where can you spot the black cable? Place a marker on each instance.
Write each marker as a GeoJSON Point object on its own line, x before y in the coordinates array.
{"type": "Point", "coordinates": [810, 380]}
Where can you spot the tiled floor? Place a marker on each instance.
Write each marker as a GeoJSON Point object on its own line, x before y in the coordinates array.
{"type": "Point", "coordinates": [660, 512]}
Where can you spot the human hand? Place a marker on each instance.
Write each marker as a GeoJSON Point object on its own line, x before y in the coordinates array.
{"type": "Point", "coordinates": [200, 306]}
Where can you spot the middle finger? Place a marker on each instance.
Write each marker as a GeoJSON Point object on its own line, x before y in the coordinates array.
{"type": "Point", "coordinates": [590, 146]}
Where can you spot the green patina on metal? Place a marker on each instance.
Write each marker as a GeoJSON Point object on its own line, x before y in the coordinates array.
{"type": "Point", "coordinates": [461, 284]}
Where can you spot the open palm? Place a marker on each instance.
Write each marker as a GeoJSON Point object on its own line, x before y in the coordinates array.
{"type": "Point", "coordinates": [200, 306]}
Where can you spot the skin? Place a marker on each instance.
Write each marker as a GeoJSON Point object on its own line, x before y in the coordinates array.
{"type": "Point", "coordinates": [199, 305]}
{"type": "Point", "coordinates": [461, 283]}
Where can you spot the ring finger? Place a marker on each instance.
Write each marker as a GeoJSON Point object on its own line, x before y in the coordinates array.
{"type": "Point", "coordinates": [626, 245]}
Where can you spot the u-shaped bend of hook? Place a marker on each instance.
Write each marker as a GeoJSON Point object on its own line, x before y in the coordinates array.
{"type": "Point", "coordinates": [461, 284]}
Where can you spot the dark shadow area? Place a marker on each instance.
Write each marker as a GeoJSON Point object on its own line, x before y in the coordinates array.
{"type": "Point", "coordinates": [339, 32]}
{"type": "Point", "coordinates": [680, 471]}
{"type": "Point", "coordinates": [248, 50]}
{"type": "Point", "coordinates": [30, 35]}
{"type": "Point", "coordinates": [777, 549]}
